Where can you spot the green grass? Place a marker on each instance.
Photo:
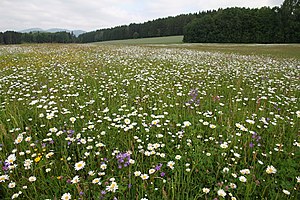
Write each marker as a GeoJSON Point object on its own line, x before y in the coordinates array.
{"type": "Point", "coordinates": [160, 122]}
{"type": "Point", "coordinates": [154, 40]}
{"type": "Point", "coordinates": [273, 50]}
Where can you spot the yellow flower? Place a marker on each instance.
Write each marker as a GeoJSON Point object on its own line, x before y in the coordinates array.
{"type": "Point", "coordinates": [37, 159]}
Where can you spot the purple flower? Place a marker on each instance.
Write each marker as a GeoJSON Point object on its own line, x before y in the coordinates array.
{"type": "Point", "coordinates": [123, 159]}
{"type": "Point", "coordinates": [158, 167]}
{"type": "Point", "coordinates": [162, 174]}
{"type": "Point", "coordinates": [251, 145]}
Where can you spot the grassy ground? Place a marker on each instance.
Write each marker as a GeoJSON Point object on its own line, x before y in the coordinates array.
{"type": "Point", "coordinates": [154, 40]}
{"type": "Point", "coordinates": [274, 50]}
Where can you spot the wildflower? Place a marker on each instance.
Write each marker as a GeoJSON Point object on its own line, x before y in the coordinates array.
{"type": "Point", "coordinates": [286, 192]}
{"type": "Point", "coordinates": [14, 196]}
{"type": "Point", "coordinates": [206, 190]}
{"type": "Point", "coordinates": [112, 187]}
{"type": "Point", "coordinates": [212, 126]}
{"type": "Point", "coordinates": [242, 179]}
{"type": "Point", "coordinates": [221, 193]}
{"type": "Point", "coordinates": [232, 185]}
{"type": "Point", "coordinates": [245, 171]}
{"type": "Point", "coordinates": [137, 173]}
{"type": "Point", "coordinates": [66, 196]}
{"type": "Point", "coordinates": [37, 159]}
{"type": "Point", "coordinates": [171, 164]}
{"type": "Point", "coordinates": [19, 139]}
{"type": "Point", "coordinates": [48, 170]}
{"type": "Point", "coordinates": [11, 159]}
{"type": "Point", "coordinates": [127, 121]}
{"type": "Point", "coordinates": [80, 165]}
{"type": "Point", "coordinates": [32, 178]}
{"type": "Point", "coordinates": [177, 157]}
{"type": "Point", "coordinates": [226, 170]}
{"type": "Point", "coordinates": [271, 170]}
{"type": "Point", "coordinates": [224, 145]}
{"type": "Point", "coordinates": [75, 179]}
{"type": "Point", "coordinates": [298, 179]}
{"type": "Point", "coordinates": [11, 185]}
{"type": "Point", "coordinates": [96, 181]}
{"type": "Point", "coordinates": [48, 155]}
{"type": "Point", "coordinates": [186, 123]}
{"type": "Point", "coordinates": [73, 119]}
{"type": "Point", "coordinates": [103, 166]}
{"type": "Point", "coordinates": [151, 171]}
{"type": "Point", "coordinates": [144, 176]}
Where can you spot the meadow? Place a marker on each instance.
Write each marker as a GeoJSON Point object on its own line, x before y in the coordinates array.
{"type": "Point", "coordinates": [147, 122]}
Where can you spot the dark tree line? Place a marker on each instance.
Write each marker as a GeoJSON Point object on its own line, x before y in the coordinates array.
{"type": "Point", "coordinates": [244, 25]}
{"type": "Point", "coordinates": [12, 37]}
{"type": "Point", "coordinates": [156, 28]}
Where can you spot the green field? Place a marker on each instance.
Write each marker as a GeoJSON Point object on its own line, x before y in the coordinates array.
{"type": "Point", "coordinates": [154, 40]}
{"type": "Point", "coordinates": [149, 122]}
{"type": "Point", "coordinates": [274, 50]}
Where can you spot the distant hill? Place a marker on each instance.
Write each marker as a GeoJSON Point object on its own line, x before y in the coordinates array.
{"type": "Point", "coordinates": [52, 30]}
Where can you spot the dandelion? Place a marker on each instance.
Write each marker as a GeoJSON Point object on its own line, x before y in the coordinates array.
{"type": "Point", "coordinates": [66, 196]}
{"type": "Point", "coordinates": [271, 170]}
{"type": "Point", "coordinates": [80, 165]}
{"type": "Point", "coordinates": [37, 159]}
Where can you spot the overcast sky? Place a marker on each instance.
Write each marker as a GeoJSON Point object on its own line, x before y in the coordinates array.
{"type": "Point", "coordinates": [95, 14]}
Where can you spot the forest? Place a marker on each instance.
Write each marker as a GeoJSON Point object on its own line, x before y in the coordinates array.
{"type": "Point", "coordinates": [230, 25]}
